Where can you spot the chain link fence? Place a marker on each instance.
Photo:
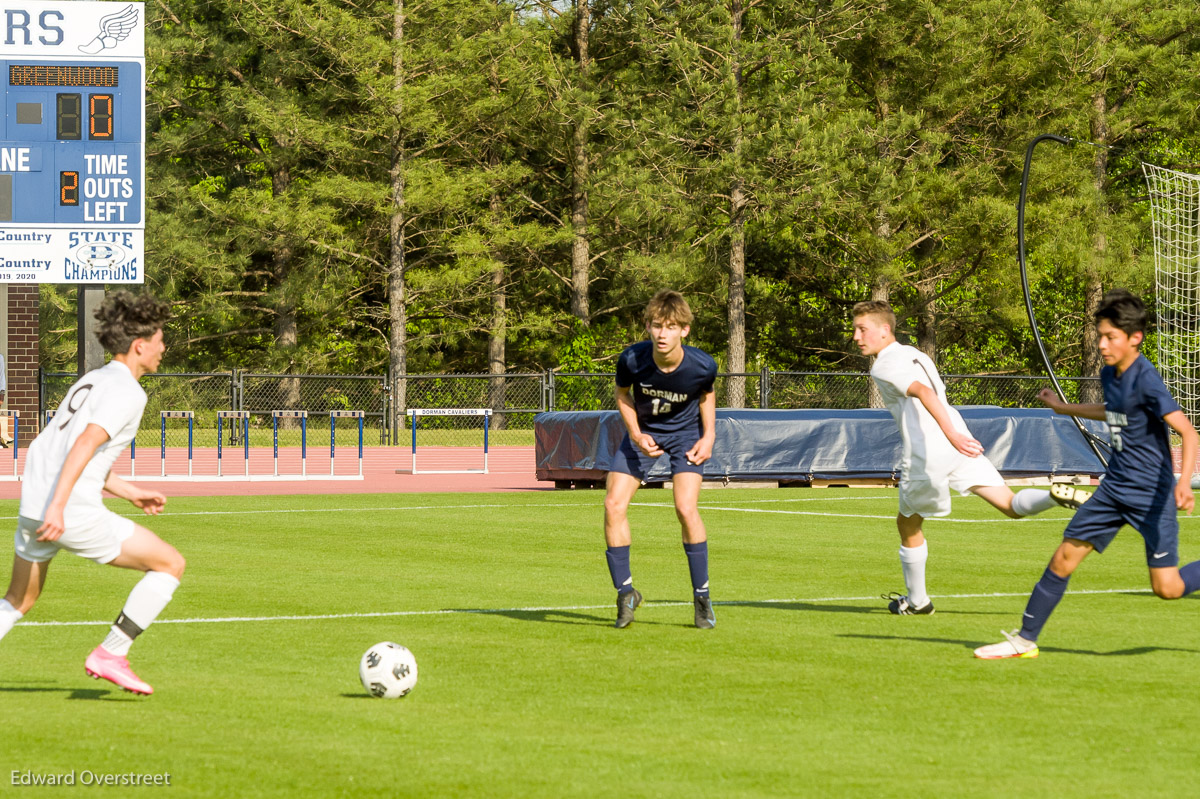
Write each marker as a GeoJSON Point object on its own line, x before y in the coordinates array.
{"type": "Point", "coordinates": [260, 394]}
{"type": "Point", "coordinates": [514, 398]}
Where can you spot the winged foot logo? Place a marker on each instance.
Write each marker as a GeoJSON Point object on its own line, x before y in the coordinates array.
{"type": "Point", "coordinates": [114, 29]}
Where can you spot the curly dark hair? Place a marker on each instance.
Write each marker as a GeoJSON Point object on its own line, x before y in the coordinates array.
{"type": "Point", "coordinates": [125, 316]}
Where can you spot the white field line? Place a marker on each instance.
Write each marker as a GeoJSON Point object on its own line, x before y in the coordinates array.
{"type": "Point", "coordinates": [605, 606]}
{"type": "Point", "coordinates": [846, 515]}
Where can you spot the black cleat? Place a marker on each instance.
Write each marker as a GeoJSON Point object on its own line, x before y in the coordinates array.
{"type": "Point", "coordinates": [705, 619]}
{"type": "Point", "coordinates": [626, 604]}
{"type": "Point", "coordinates": [900, 606]}
{"type": "Point", "coordinates": [1067, 495]}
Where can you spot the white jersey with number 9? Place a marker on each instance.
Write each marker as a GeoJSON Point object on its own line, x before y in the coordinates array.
{"type": "Point", "coordinates": [109, 397]}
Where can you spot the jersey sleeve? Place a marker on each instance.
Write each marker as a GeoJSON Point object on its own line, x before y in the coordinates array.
{"type": "Point", "coordinates": [710, 376]}
{"type": "Point", "coordinates": [624, 370]}
{"type": "Point", "coordinates": [900, 373]}
{"type": "Point", "coordinates": [1156, 396]}
{"type": "Point", "coordinates": [117, 409]}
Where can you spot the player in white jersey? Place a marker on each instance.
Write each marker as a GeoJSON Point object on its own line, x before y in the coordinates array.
{"type": "Point", "coordinates": [67, 467]}
{"type": "Point", "coordinates": [939, 453]}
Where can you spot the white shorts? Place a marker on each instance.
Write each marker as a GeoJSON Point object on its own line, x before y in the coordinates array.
{"type": "Point", "coordinates": [98, 539]}
{"type": "Point", "coordinates": [921, 494]}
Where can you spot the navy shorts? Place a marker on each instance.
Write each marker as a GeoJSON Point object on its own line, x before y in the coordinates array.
{"type": "Point", "coordinates": [1152, 513]}
{"type": "Point", "coordinates": [628, 459]}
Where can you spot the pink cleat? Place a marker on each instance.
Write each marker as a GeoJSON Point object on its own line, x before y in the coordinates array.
{"type": "Point", "coordinates": [114, 668]}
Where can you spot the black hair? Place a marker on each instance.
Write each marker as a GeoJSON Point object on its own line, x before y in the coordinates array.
{"type": "Point", "coordinates": [125, 316]}
{"type": "Point", "coordinates": [1126, 312]}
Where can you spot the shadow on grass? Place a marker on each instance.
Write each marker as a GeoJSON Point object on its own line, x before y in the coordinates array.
{"type": "Point", "coordinates": [972, 645]}
{"type": "Point", "coordinates": [548, 615]}
{"type": "Point", "coordinates": [827, 607]}
{"type": "Point", "coordinates": [72, 693]}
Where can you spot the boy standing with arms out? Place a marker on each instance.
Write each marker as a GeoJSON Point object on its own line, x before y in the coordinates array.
{"type": "Point", "coordinates": [666, 400]}
{"type": "Point", "coordinates": [1139, 488]}
{"type": "Point", "coordinates": [938, 453]}
{"type": "Point", "coordinates": [67, 467]}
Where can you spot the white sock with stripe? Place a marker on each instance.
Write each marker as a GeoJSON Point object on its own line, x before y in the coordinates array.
{"type": "Point", "coordinates": [145, 602]}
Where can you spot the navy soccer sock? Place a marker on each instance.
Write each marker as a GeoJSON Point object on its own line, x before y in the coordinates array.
{"type": "Point", "coordinates": [618, 567]}
{"type": "Point", "coordinates": [1191, 577]}
{"type": "Point", "coordinates": [1046, 594]}
{"type": "Point", "coordinates": [697, 555]}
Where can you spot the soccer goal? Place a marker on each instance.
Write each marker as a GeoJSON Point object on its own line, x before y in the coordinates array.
{"type": "Point", "coordinates": [1175, 221]}
{"type": "Point", "coordinates": [450, 440]}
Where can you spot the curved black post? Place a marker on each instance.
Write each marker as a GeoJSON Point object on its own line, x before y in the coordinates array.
{"type": "Point", "coordinates": [1037, 336]}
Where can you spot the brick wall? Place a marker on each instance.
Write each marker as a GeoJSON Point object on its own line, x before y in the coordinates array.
{"type": "Point", "coordinates": [21, 360]}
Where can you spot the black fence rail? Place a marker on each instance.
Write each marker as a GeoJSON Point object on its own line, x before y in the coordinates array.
{"type": "Point", "coordinates": [515, 398]}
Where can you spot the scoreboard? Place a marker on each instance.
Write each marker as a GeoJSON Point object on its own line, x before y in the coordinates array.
{"type": "Point", "coordinates": [72, 141]}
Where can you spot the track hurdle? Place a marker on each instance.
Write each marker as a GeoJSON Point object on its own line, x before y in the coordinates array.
{"type": "Point", "coordinates": [333, 417]}
{"type": "Point", "coordinates": [15, 415]}
{"type": "Point", "coordinates": [245, 417]}
{"type": "Point", "coordinates": [165, 415]}
{"type": "Point", "coordinates": [303, 417]}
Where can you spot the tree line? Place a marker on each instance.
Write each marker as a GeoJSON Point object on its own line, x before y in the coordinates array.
{"type": "Point", "coordinates": [499, 185]}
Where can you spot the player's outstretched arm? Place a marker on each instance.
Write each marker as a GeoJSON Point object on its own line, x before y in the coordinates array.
{"type": "Point", "coordinates": [92, 437]}
{"type": "Point", "coordinates": [1089, 410]}
{"type": "Point", "coordinates": [643, 441]}
{"type": "Point", "coordinates": [151, 502]}
{"type": "Point", "coordinates": [963, 442]}
{"type": "Point", "coordinates": [702, 449]}
{"type": "Point", "coordinates": [1184, 499]}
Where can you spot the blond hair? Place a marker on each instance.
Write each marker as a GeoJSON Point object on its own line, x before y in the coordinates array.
{"type": "Point", "coordinates": [668, 306]}
{"type": "Point", "coordinates": [877, 308]}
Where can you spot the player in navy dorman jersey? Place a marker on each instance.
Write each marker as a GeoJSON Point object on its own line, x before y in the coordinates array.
{"type": "Point", "coordinates": [666, 400]}
{"type": "Point", "coordinates": [1139, 487]}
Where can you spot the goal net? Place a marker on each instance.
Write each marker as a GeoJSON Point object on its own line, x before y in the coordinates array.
{"type": "Point", "coordinates": [449, 440]}
{"type": "Point", "coordinates": [1175, 220]}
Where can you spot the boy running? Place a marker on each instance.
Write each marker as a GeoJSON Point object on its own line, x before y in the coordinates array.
{"type": "Point", "coordinates": [67, 467]}
{"type": "Point", "coordinates": [666, 400]}
{"type": "Point", "coordinates": [1139, 487]}
{"type": "Point", "coordinates": [938, 451]}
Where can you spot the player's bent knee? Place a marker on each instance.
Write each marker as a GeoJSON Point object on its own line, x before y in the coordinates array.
{"type": "Point", "coordinates": [174, 565]}
{"type": "Point", "coordinates": [1169, 591]}
{"type": "Point", "coordinates": [615, 508]}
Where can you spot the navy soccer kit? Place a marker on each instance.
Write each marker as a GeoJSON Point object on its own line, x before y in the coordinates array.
{"type": "Point", "coordinates": [667, 403]}
{"type": "Point", "coordinates": [1138, 488]}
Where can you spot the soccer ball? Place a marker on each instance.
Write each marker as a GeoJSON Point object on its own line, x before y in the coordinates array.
{"type": "Point", "coordinates": [388, 670]}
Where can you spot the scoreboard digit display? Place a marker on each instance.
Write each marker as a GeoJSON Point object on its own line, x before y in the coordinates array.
{"type": "Point", "coordinates": [72, 141]}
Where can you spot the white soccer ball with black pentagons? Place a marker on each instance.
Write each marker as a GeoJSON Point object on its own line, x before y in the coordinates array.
{"type": "Point", "coordinates": [388, 670]}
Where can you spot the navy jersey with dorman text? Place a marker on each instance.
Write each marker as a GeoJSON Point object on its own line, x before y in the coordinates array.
{"type": "Point", "coordinates": [1135, 403]}
{"type": "Point", "coordinates": [666, 402]}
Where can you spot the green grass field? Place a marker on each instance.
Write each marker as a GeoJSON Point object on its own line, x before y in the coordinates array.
{"type": "Point", "coordinates": [807, 687]}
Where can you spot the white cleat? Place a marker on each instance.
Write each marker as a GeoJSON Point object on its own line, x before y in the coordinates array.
{"type": "Point", "coordinates": [1013, 647]}
{"type": "Point", "coordinates": [1067, 495]}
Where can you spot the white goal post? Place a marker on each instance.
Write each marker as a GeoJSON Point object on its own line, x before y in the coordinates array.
{"type": "Point", "coordinates": [1175, 221]}
{"type": "Point", "coordinates": [450, 440]}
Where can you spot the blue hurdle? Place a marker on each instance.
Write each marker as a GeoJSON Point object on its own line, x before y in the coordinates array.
{"type": "Point", "coordinates": [333, 417]}
{"type": "Point", "coordinates": [303, 417]}
{"type": "Point", "coordinates": [245, 417]}
{"type": "Point", "coordinates": [165, 415]}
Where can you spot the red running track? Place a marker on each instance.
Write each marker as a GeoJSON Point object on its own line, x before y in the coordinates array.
{"type": "Point", "coordinates": [509, 469]}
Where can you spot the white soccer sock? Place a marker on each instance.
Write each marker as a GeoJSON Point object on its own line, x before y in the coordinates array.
{"type": "Point", "coordinates": [145, 602]}
{"type": "Point", "coordinates": [912, 561]}
{"type": "Point", "coordinates": [8, 617]}
{"type": "Point", "coordinates": [1032, 501]}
